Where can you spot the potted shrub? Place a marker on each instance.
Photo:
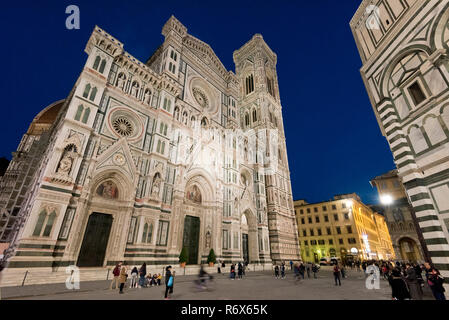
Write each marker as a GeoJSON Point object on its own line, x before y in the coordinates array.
{"type": "Point", "coordinates": [211, 258]}
{"type": "Point", "coordinates": [183, 257]}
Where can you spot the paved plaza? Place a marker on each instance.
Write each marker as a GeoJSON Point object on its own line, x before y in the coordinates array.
{"type": "Point", "coordinates": [255, 285]}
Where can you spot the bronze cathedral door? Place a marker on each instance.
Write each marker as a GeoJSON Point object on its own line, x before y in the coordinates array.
{"type": "Point", "coordinates": [95, 241]}
{"type": "Point", "coordinates": [191, 238]}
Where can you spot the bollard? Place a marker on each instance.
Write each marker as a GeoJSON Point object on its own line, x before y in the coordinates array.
{"type": "Point", "coordinates": [24, 278]}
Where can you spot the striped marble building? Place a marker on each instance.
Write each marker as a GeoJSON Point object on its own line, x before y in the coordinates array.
{"type": "Point", "coordinates": [144, 159]}
{"type": "Point", "coordinates": [404, 46]}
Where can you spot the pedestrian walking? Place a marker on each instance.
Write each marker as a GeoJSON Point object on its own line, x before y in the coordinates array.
{"type": "Point", "coordinates": [337, 275]}
{"type": "Point", "coordinates": [296, 269]}
{"type": "Point", "coordinates": [116, 274]}
{"type": "Point", "coordinates": [219, 269]}
{"type": "Point", "coordinates": [169, 282]}
{"type": "Point", "coordinates": [122, 278]}
{"type": "Point", "coordinates": [283, 270]}
{"type": "Point", "coordinates": [399, 289]}
{"type": "Point", "coordinates": [291, 265]}
{"type": "Point", "coordinates": [134, 275]}
{"type": "Point", "coordinates": [276, 271]}
{"type": "Point", "coordinates": [435, 282]}
{"type": "Point", "coordinates": [142, 274]}
{"type": "Point", "coordinates": [308, 269]}
{"type": "Point", "coordinates": [343, 271]}
{"type": "Point", "coordinates": [232, 274]}
{"type": "Point", "coordinates": [412, 282]}
{"type": "Point", "coordinates": [240, 271]}
{"type": "Point", "coordinates": [314, 270]}
{"type": "Point", "coordinates": [302, 269]}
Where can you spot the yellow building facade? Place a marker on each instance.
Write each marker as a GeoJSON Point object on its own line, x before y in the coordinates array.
{"type": "Point", "coordinates": [343, 227]}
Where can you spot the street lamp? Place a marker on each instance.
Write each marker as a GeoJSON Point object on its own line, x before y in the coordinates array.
{"type": "Point", "coordinates": [386, 199]}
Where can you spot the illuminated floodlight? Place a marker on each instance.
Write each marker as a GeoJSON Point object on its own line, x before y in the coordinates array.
{"type": "Point", "coordinates": [386, 199]}
{"type": "Point", "coordinates": [349, 203]}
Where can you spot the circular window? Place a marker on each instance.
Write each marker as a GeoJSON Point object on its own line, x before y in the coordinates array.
{"type": "Point", "coordinates": [123, 127]}
{"type": "Point", "coordinates": [200, 97]}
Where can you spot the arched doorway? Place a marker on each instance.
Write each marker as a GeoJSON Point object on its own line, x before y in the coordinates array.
{"type": "Point", "coordinates": [96, 235]}
{"type": "Point", "coordinates": [409, 250]}
{"type": "Point", "coordinates": [248, 230]}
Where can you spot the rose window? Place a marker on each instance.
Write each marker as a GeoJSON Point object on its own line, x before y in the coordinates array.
{"type": "Point", "coordinates": [123, 127]}
{"type": "Point", "coordinates": [200, 97]}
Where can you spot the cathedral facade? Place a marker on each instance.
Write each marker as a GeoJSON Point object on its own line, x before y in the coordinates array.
{"type": "Point", "coordinates": [144, 159]}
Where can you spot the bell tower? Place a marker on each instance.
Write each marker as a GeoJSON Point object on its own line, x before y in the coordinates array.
{"type": "Point", "coordinates": [261, 114]}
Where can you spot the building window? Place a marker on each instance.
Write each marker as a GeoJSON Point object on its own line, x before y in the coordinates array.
{"type": "Point", "coordinates": [326, 218]}
{"type": "Point", "coordinates": [321, 242]}
{"type": "Point", "coordinates": [304, 233]}
{"type": "Point", "coordinates": [340, 241]}
{"type": "Point", "coordinates": [44, 220]}
{"type": "Point", "coordinates": [319, 231]}
{"type": "Point", "coordinates": [317, 219]}
{"type": "Point", "coordinates": [334, 207]}
{"type": "Point", "coordinates": [336, 217]}
{"type": "Point", "coordinates": [312, 232]}
{"type": "Point", "coordinates": [338, 230]}
{"type": "Point", "coordinates": [249, 84]}
{"type": "Point", "coordinates": [349, 229]}
{"type": "Point", "coordinates": [331, 241]}
{"type": "Point", "coordinates": [162, 233]}
{"type": "Point", "coordinates": [346, 216]}
{"type": "Point", "coordinates": [254, 115]}
{"type": "Point", "coordinates": [225, 239]}
{"type": "Point", "coordinates": [315, 209]}
{"type": "Point", "coordinates": [308, 210]}
{"type": "Point", "coordinates": [302, 221]}
{"type": "Point", "coordinates": [306, 242]}
{"type": "Point", "coordinates": [343, 205]}
{"type": "Point", "coordinates": [313, 242]}
{"type": "Point", "coordinates": [301, 211]}
{"type": "Point", "coordinates": [310, 219]}
{"type": "Point", "coordinates": [324, 208]}
{"type": "Point", "coordinates": [328, 230]}
{"type": "Point", "coordinates": [416, 93]}
{"type": "Point", "coordinates": [166, 105]}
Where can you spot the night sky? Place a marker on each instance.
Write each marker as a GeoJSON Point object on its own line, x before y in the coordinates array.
{"type": "Point", "coordinates": [334, 143]}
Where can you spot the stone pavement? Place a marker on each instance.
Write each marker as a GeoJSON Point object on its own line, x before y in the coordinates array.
{"type": "Point", "coordinates": [256, 285]}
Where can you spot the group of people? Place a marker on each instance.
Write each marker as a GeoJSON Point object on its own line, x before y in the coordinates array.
{"type": "Point", "coordinates": [241, 270]}
{"type": "Point", "coordinates": [407, 281]}
{"type": "Point", "coordinates": [140, 278]}
{"type": "Point", "coordinates": [299, 268]}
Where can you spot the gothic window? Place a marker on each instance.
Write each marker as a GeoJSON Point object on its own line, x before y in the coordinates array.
{"type": "Point", "coordinates": [270, 86]}
{"type": "Point", "coordinates": [79, 111]}
{"type": "Point", "coordinates": [86, 90]}
{"type": "Point", "coordinates": [254, 115]}
{"type": "Point", "coordinates": [177, 113]}
{"type": "Point", "coordinates": [192, 121]}
{"type": "Point", "coordinates": [93, 94]}
{"type": "Point", "coordinates": [97, 62]}
{"type": "Point", "coordinates": [47, 220]}
{"type": "Point", "coordinates": [49, 225]}
{"type": "Point", "coordinates": [162, 233]}
{"type": "Point", "coordinates": [40, 223]}
{"type": "Point", "coordinates": [145, 231]}
{"type": "Point", "coordinates": [167, 105]}
{"type": "Point", "coordinates": [249, 84]}
{"type": "Point", "coordinates": [184, 117]}
{"type": "Point", "coordinates": [246, 119]}
{"type": "Point", "coordinates": [86, 115]}
{"type": "Point", "coordinates": [102, 66]}
{"type": "Point", "coordinates": [150, 233]}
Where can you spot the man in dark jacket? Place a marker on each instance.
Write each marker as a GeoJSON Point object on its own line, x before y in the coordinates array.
{"type": "Point", "coordinates": [399, 289]}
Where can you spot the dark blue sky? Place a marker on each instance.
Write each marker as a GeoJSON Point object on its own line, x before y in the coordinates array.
{"type": "Point", "coordinates": [334, 143]}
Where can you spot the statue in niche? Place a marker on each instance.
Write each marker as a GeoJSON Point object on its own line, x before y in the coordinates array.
{"type": "Point", "coordinates": [147, 96]}
{"type": "Point", "coordinates": [398, 215]}
{"type": "Point", "coordinates": [108, 190]}
{"type": "Point", "coordinates": [134, 89]}
{"type": "Point", "coordinates": [194, 194]}
{"type": "Point", "coordinates": [66, 162]}
{"type": "Point", "coordinates": [156, 185]}
{"type": "Point", "coordinates": [120, 81]}
{"type": "Point", "coordinates": [208, 239]}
